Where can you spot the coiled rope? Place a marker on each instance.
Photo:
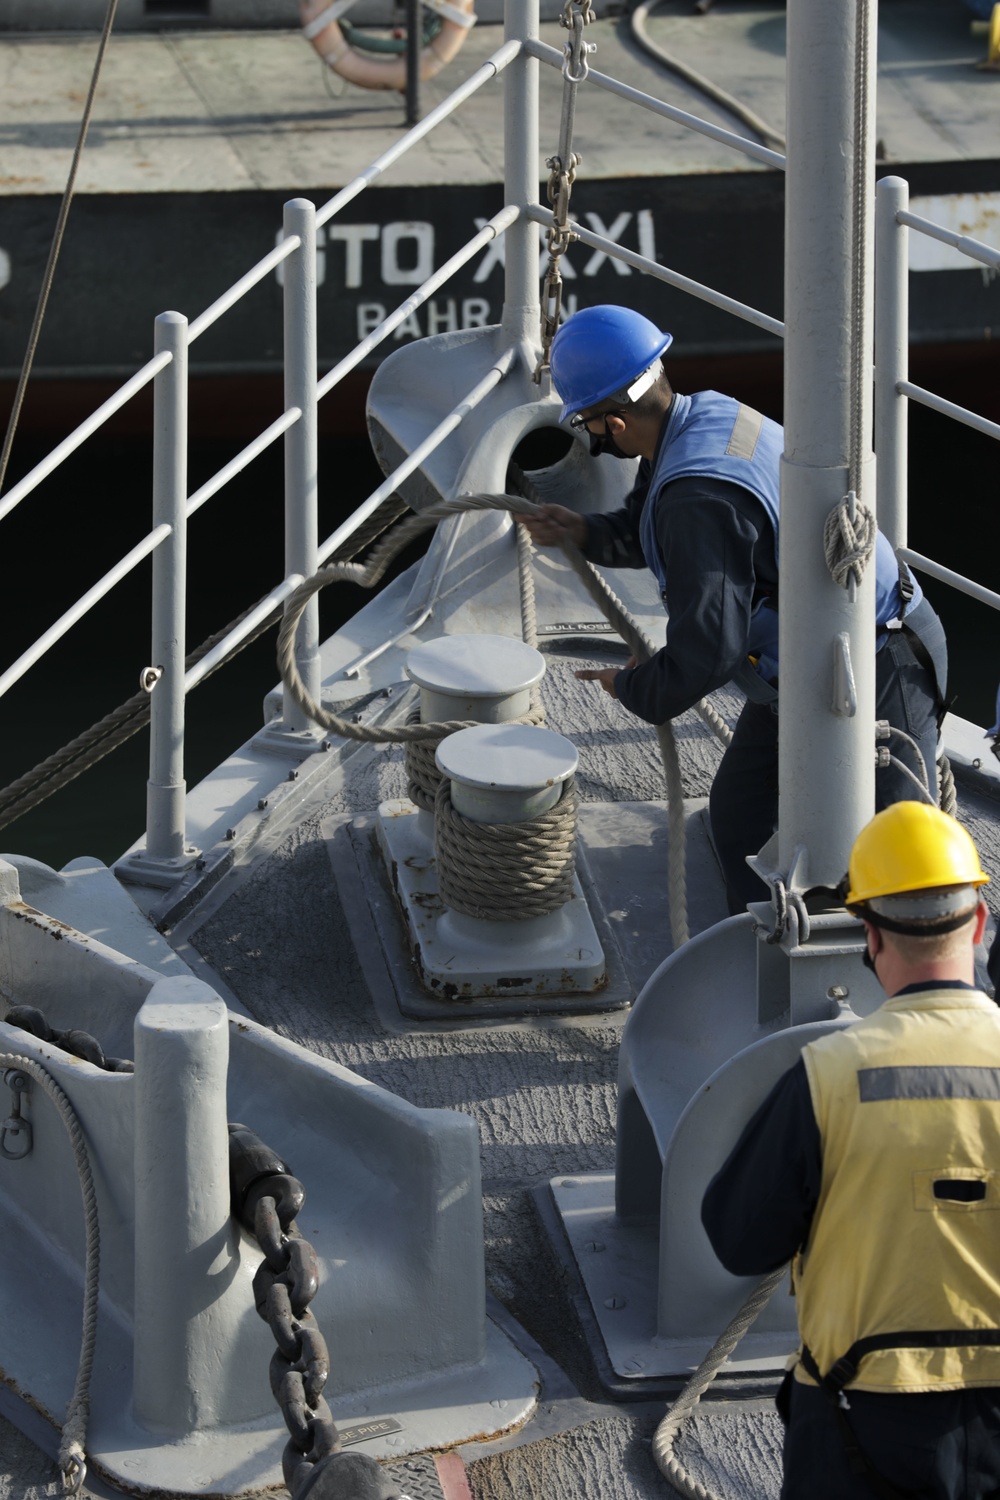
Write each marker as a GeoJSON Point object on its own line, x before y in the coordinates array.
{"type": "Point", "coordinates": [512, 871]}
{"type": "Point", "coordinates": [669, 1465]}
{"type": "Point", "coordinates": [72, 1445]}
{"type": "Point", "coordinates": [849, 540]}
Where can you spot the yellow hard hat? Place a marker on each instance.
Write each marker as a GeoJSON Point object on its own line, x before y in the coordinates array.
{"type": "Point", "coordinates": [911, 846]}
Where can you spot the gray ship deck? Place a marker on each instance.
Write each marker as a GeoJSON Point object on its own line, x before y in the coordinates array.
{"type": "Point", "coordinates": [296, 948]}
{"type": "Point", "coordinates": [282, 931]}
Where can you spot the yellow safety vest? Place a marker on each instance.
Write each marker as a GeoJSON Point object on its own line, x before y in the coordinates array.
{"type": "Point", "coordinates": [905, 1241]}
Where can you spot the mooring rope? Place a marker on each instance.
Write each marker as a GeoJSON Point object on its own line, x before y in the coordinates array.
{"type": "Point", "coordinates": [947, 795]}
{"type": "Point", "coordinates": [72, 1445]}
{"type": "Point", "coordinates": [370, 573]}
{"type": "Point", "coordinates": [508, 872]}
{"type": "Point", "coordinates": [669, 1465]}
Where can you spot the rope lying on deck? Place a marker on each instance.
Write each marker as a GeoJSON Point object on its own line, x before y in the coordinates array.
{"type": "Point", "coordinates": [666, 1434]}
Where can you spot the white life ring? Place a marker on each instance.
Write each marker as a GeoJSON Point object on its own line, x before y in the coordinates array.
{"type": "Point", "coordinates": [319, 26]}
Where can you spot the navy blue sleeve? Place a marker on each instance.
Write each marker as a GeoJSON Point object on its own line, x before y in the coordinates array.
{"type": "Point", "coordinates": [712, 537]}
{"type": "Point", "coordinates": [613, 536]}
{"type": "Point", "coordinates": [759, 1206]}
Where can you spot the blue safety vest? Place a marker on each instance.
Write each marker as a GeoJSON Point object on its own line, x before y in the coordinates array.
{"type": "Point", "coordinates": [713, 435]}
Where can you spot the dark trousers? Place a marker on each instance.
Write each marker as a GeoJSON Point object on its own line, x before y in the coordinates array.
{"type": "Point", "coordinates": [743, 806]}
{"type": "Point", "coordinates": [939, 1446]}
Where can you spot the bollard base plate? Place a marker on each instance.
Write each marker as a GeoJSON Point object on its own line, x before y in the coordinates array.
{"type": "Point", "coordinates": [462, 960]}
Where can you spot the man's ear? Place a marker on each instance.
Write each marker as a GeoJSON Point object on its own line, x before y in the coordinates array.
{"type": "Point", "coordinates": [873, 939]}
{"type": "Point", "coordinates": [614, 423]}
{"type": "Point", "coordinates": [982, 913]}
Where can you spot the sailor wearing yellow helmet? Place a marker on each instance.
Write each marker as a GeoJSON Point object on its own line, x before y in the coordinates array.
{"type": "Point", "coordinates": [874, 1165]}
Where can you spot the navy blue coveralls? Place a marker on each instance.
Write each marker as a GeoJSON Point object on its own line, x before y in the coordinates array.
{"type": "Point", "coordinates": [936, 1445]}
{"type": "Point", "coordinates": [717, 549]}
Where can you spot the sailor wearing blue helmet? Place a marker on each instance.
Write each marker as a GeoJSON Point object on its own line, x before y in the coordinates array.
{"type": "Point", "coordinates": [703, 516]}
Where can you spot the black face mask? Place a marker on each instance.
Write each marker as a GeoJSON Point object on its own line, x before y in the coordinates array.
{"type": "Point", "coordinates": [868, 961]}
{"type": "Point", "coordinates": [605, 443]}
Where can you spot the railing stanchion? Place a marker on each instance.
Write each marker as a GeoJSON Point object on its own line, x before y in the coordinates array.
{"type": "Point", "coordinates": [892, 315]}
{"type": "Point", "coordinates": [296, 730]}
{"type": "Point", "coordinates": [414, 29]}
{"type": "Point", "coordinates": [166, 788]}
{"type": "Point", "coordinates": [167, 853]}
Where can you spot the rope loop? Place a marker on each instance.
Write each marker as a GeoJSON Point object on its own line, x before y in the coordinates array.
{"type": "Point", "coordinates": [422, 775]}
{"type": "Point", "coordinates": [72, 1445]}
{"type": "Point", "coordinates": [505, 872]}
{"type": "Point", "coordinates": [849, 540]}
{"type": "Point", "coordinates": [368, 575]}
{"type": "Point", "coordinates": [666, 1434]}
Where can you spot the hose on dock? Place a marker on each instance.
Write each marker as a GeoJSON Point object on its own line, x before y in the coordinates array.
{"type": "Point", "coordinates": [637, 18]}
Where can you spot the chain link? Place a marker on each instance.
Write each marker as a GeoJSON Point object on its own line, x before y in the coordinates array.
{"type": "Point", "coordinates": [562, 167]}
{"type": "Point", "coordinates": [77, 1043]}
{"type": "Point", "coordinates": [266, 1199]}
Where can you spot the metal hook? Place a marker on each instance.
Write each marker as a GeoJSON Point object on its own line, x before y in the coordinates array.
{"type": "Point", "coordinates": [15, 1127]}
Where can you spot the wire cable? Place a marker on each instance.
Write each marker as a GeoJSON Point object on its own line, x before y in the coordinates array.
{"type": "Point", "coordinates": [54, 248]}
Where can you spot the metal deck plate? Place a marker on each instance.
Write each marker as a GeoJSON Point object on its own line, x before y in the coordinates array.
{"type": "Point", "coordinates": [358, 860]}
{"type": "Point", "coordinates": [560, 954]}
{"type": "Point", "coordinates": [618, 1266]}
{"type": "Point", "coordinates": [431, 1477]}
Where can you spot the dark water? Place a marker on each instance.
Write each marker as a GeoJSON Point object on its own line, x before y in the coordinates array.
{"type": "Point", "coordinates": [63, 538]}
{"type": "Point", "coordinates": [61, 541]}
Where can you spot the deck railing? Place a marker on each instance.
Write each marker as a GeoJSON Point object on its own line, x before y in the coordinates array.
{"type": "Point", "coordinates": [304, 552]}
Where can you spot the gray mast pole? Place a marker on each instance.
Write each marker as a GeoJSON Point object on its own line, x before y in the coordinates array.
{"type": "Point", "coordinates": [522, 304]}
{"type": "Point", "coordinates": [826, 752]}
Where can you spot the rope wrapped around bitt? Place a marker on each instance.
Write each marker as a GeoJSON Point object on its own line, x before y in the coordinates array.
{"type": "Point", "coordinates": [506, 872]}
{"type": "Point", "coordinates": [422, 775]}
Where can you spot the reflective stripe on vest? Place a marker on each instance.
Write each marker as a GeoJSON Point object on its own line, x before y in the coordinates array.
{"type": "Point", "coordinates": [906, 1233]}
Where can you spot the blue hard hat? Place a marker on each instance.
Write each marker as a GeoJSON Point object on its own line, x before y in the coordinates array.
{"type": "Point", "coordinates": [599, 352]}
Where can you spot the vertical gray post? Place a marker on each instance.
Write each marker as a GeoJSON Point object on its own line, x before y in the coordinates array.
{"type": "Point", "coordinates": [301, 455]}
{"type": "Point", "coordinates": [190, 1298]}
{"type": "Point", "coordinates": [166, 788]}
{"type": "Point", "coordinates": [522, 305]}
{"type": "Point", "coordinates": [826, 759]}
{"type": "Point", "coordinates": [414, 38]}
{"type": "Point", "coordinates": [892, 316]}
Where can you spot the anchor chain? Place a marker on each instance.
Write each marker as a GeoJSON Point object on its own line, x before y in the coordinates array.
{"type": "Point", "coordinates": [266, 1200]}
{"type": "Point", "coordinates": [576, 14]}
{"type": "Point", "coordinates": [77, 1043]}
